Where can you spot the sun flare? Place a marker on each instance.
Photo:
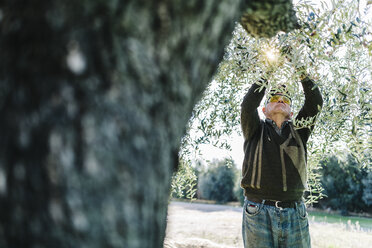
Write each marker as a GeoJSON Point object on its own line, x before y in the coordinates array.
{"type": "Point", "coordinates": [271, 54]}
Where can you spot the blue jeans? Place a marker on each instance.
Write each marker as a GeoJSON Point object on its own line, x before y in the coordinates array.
{"type": "Point", "coordinates": [268, 226]}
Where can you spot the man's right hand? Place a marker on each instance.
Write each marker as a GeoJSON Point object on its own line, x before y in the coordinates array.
{"type": "Point", "coordinates": [288, 52]}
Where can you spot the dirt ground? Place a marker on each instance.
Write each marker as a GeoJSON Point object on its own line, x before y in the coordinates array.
{"type": "Point", "coordinates": [219, 226]}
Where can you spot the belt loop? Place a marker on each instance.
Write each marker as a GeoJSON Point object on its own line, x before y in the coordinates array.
{"type": "Point", "coordinates": [262, 204]}
{"type": "Point", "coordinates": [277, 206]}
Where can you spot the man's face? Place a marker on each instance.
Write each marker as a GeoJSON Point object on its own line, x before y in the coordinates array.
{"type": "Point", "coordinates": [278, 104]}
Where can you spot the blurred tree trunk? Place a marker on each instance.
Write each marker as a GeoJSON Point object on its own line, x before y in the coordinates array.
{"type": "Point", "coordinates": [94, 99]}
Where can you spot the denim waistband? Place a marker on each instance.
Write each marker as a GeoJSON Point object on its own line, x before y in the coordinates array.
{"type": "Point", "coordinates": [278, 204]}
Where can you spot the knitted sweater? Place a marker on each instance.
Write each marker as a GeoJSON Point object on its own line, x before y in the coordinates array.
{"type": "Point", "coordinates": [274, 166]}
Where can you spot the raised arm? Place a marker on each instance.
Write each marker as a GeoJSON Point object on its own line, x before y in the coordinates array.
{"type": "Point", "coordinates": [312, 105]}
{"type": "Point", "coordinates": [313, 98]}
{"type": "Point", "coordinates": [249, 114]}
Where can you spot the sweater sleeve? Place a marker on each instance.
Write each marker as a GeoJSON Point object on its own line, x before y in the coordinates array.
{"type": "Point", "coordinates": [250, 120]}
{"type": "Point", "coordinates": [311, 107]}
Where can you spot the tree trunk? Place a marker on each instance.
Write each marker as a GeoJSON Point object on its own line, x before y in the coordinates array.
{"type": "Point", "coordinates": [94, 99]}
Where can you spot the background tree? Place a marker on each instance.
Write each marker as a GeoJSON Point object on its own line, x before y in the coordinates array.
{"type": "Point", "coordinates": [94, 100]}
{"type": "Point", "coordinates": [217, 181]}
{"type": "Point", "coordinates": [367, 193]}
{"type": "Point", "coordinates": [343, 185]}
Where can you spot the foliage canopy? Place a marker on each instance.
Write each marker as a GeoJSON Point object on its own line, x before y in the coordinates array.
{"type": "Point", "coordinates": [334, 45]}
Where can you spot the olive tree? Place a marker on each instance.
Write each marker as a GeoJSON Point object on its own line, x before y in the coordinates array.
{"type": "Point", "coordinates": [94, 99]}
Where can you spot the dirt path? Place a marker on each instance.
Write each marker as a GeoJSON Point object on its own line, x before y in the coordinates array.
{"type": "Point", "coordinates": [218, 226]}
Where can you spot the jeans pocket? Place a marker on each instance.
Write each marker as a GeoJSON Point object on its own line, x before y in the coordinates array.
{"type": "Point", "coordinates": [301, 210]}
{"type": "Point", "coordinates": [252, 209]}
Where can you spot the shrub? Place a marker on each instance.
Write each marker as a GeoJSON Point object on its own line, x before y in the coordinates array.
{"type": "Point", "coordinates": [343, 185]}
{"type": "Point", "coordinates": [217, 182]}
{"type": "Point", "coordinates": [367, 192]}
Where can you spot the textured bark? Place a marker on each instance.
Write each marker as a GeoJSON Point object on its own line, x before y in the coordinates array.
{"type": "Point", "coordinates": [94, 99]}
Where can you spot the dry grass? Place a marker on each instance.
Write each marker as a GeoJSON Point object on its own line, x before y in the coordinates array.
{"type": "Point", "coordinates": [216, 226]}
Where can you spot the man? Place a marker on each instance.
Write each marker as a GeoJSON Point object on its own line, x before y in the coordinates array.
{"type": "Point", "coordinates": [274, 168]}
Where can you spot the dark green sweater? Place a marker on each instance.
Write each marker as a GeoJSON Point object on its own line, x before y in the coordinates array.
{"type": "Point", "coordinates": [274, 166]}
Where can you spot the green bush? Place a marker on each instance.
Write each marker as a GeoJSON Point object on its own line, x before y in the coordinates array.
{"type": "Point", "coordinates": [367, 192]}
{"type": "Point", "coordinates": [343, 184]}
{"type": "Point", "coordinates": [218, 181]}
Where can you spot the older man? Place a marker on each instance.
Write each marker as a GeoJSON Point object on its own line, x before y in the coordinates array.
{"type": "Point", "coordinates": [274, 167]}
